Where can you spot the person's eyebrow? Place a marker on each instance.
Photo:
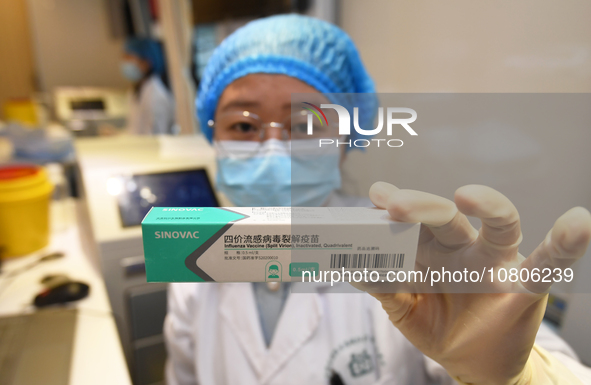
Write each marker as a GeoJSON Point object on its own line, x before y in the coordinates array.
{"type": "Point", "coordinates": [239, 104]}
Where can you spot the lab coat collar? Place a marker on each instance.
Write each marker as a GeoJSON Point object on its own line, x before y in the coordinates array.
{"type": "Point", "coordinates": [298, 321]}
{"type": "Point", "coordinates": [238, 308]}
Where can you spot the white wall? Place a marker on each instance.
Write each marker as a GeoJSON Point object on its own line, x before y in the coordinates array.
{"type": "Point", "coordinates": [73, 46]}
{"type": "Point", "coordinates": [466, 46]}
{"type": "Point", "coordinates": [473, 46]}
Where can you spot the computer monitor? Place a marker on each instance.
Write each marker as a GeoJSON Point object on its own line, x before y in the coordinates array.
{"type": "Point", "coordinates": [140, 192]}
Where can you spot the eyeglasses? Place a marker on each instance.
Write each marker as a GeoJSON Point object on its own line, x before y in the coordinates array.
{"type": "Point", "coordinates": [247, 126]}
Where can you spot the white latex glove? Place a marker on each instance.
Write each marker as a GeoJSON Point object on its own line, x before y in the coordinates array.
{"type": "Point", "coordinates": [479, 338]}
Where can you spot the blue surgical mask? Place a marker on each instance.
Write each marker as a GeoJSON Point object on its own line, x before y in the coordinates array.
{"type": "Point", "coordinates": [131, 71]}
{"type": "Point", "coordinates": [255, 174]}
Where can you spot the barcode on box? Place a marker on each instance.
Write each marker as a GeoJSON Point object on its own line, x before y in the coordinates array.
{"type": "Point", "coordinates": [368, 261]}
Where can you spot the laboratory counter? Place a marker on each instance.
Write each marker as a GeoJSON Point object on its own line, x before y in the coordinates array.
{"type": "Point", "coordinates": [97, 355]}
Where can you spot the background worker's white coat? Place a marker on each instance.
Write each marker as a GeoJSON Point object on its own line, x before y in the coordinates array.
{"type": "Point", "coordinates": [214, 337]}
{"type": "Point", "coordinates": [151, 111]}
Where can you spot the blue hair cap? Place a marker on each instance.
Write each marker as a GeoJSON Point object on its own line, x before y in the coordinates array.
{"type": "Point", "coordinates": [149, 50]}
{"type": "Point", "coordinates": [311, 50]}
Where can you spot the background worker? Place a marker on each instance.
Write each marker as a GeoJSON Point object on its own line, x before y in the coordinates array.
{"type": "Point", "coordinates": [151, 102]}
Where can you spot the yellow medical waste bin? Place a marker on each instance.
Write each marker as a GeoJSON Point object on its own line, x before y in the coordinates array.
{"type": "Point", "coordinates": [25, 194]}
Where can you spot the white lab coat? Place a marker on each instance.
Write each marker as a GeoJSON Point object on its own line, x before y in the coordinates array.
{"type": "Point", "coordinates": [151, 111]}
{"type": "Point", "coordinates": [214, 337]}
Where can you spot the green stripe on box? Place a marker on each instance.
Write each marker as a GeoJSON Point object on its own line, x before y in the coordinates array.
{"type": "Point", "coordinates": [166, 258]}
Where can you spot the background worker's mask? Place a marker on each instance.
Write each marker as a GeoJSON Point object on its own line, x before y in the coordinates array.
{"type": "Point", "coordinates": [277, 173]}
{"type": "Point", "coordinates": [131, 71]}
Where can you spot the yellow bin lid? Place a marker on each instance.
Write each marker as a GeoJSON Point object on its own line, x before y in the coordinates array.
{"type": "Point", "coordinates": [22, 182]}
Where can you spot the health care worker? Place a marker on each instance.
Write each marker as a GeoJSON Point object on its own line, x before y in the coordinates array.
{"type": "Point", "coordinates": [151, 106]}
{"type": "Point", "coordinates": [242, 333]}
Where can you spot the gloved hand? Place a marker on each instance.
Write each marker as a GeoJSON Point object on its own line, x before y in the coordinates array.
{"type": "Point", "coordinates": [478, 338]}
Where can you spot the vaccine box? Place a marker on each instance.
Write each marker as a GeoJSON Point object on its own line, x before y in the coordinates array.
{"type": "Point", "coordinates": [262, 244]}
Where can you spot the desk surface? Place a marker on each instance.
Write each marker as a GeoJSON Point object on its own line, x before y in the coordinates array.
{"type": "Point", "coordinates": [97, 356]}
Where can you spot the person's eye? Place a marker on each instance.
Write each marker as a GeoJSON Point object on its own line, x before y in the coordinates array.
{"type": "Point", "coordinates": [244, 128]}
{"type": "Point", "coordinates": [299, 128]}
